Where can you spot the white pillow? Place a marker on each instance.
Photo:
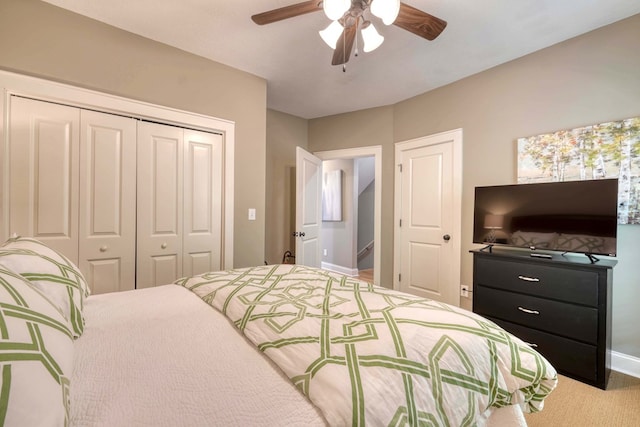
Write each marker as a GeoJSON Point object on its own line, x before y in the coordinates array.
{"type": "Point", "coordinates": [52, 273]}
{"type": "Point", "coordinates": [36, 347]}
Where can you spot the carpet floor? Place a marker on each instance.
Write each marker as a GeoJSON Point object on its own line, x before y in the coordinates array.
{"type": "Point", "coordinates": [573, 403]}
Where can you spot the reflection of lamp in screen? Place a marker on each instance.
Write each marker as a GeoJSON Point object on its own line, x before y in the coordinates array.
{"type": "Point", "coordinates": [492, 223]}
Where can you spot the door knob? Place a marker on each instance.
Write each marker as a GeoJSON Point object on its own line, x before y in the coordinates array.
{"type": "Point", "coordinates": [446, 237]}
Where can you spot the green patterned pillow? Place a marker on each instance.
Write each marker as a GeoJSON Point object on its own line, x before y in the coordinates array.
{"type": "Point", "coordinates": [52, 273]}
{"type": "Point", "coordinates": [36, 356]}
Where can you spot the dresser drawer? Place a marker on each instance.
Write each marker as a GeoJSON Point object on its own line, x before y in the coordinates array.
{"type": "Point", "coordinates": [565, 284]}
{"type": "Point", "coordinates": [569, 357]}
{"type": "Point", "coordinates": [571, 321]}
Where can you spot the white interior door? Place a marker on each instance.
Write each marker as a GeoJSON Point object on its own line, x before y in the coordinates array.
{"type": "Point", "coordinates": [107, 201]}
{"type": "Point", "coordinates": [202, 217]}
{"type": "Point", "coordinates": [308, 208]}
{"type": "Point", "coordinates": [160, 204]}
{"type": "Point", "coordinates": [428, 228]}
{"type": "Point", "coordinates": [42, 173]}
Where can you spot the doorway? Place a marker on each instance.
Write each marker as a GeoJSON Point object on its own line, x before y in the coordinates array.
{"type": "Point", "coordinates": [375, 192]}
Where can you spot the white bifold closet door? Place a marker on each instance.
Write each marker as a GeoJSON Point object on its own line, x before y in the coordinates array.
{"type": "Point", "coordinates": [44, 145]}
{"type": "Point", "coordinates": [107, 241]}
{"type": "Point", "coordinates": [72, 185]}
{"type": "Point", "coordinates": [134, 204]}
{"type": "Point", "coordinates": [179, 203]}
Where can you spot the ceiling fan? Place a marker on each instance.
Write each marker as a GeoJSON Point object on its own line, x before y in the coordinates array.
{"type": "Point", "coordinates": [349, 15]}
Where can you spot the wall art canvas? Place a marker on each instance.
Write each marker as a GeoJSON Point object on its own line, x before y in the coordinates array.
{"type": "Point", "coordinates": [606, 150]}
{"type": "Point", "coordinates": [332, 196]}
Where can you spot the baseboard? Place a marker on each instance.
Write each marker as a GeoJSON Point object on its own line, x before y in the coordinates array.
{"type": "Point", "coordinates": [626, 364]}
{"type": "Point", "coordinates": [339, 269]}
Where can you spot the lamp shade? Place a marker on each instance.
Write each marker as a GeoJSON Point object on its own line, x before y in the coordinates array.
{"type": "Point", "coordinates": [331, 34]}
{"type": "Point", "coordinates": [387, 10]}
{"type": "Point", "coordinates": [334, 9]}
{"type": "Point", "coordinates": [372, 39]}
{"type": "Point", "coordinates": [493, 222]}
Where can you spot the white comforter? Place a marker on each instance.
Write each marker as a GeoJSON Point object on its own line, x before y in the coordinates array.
{"type": "Point", "coordinates": [366, 355]}
{"type": "Point", "coordinates": [162, 357]}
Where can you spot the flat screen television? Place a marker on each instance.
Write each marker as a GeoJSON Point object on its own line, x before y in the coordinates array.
{"type": "Point", "coordinates": [572, 216]}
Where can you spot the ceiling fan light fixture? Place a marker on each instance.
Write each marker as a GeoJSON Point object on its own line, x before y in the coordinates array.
{"type": "Point", "coordinates": [335, 9]}
{"type": "Point", "coordinates": [372, 39]}
{"type": "Point", "coordinates": [387, 10]}
{"type": "Point", "coordinates": [331, 34]}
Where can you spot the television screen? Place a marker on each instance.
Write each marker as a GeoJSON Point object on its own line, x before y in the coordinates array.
{"type": "Point", "coordinates": [573, 216]}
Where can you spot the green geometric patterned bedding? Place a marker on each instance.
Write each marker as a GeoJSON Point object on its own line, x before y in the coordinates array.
{"type": "Point", "coordinates": [367, 355]}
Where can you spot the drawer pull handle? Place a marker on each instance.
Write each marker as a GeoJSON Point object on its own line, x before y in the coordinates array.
{"type": "Point", "coordinates": [529, 279]}
{"type": "Point", "coordinates": [526, 310]}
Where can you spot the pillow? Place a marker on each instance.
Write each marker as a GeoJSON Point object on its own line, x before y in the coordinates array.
{"type": "Point", "coordinates": [52, 273]}
{"type": "Point", "coordinates": [582, 243]}
{"type": "Point", "coordinates": [532, 239]}
{"type": "Point", "coordinates": [36, 348]}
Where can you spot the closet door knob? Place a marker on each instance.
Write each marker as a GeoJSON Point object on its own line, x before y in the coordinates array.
{"type": "Point", "coordinates": [163, 246]}
{"type": "Point", "coordinates": [103, 248]}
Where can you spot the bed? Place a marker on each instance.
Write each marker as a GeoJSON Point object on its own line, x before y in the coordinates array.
{"type": "Point", "coordinates": [273, 345]}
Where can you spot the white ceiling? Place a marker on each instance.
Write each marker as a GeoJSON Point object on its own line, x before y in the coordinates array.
{"type": "Point", "coordinates": [297, 64]}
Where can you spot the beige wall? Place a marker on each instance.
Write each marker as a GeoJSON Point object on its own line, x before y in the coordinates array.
{"type": "Point", "coordinates": [39, 39]}
{"type": "Point", "coordinates": [284, 133]}
{"type": "Point", "coordinates": [589, 79]}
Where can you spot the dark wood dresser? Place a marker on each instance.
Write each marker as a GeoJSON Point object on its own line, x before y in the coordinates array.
{"type": "Point", "coordinates": [560, 306]}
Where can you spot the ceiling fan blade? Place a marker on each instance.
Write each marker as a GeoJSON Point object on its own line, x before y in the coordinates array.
{"type": "Point", "coordinates": [344, 46]}
{"type": "Point", "coordinates": [287, 12]}
{"type": "Point", "coordinates": [419, 23]}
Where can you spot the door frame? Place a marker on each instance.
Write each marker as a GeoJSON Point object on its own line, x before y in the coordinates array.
{"type": "Point", "coordinates": [455, 136]}
{"type": "Point", "coordinates": [376, 152]}
{"type": "Point", "coordinates": [45, 90]}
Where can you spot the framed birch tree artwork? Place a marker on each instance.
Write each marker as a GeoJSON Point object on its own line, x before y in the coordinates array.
{"type": "Point", "coordinates": [606, 150]}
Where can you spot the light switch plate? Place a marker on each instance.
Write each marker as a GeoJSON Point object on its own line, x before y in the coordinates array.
{"type": "Point", "coordinates": [252, 214]}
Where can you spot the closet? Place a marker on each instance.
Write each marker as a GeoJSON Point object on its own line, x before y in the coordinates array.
{"type": "Point", "coordinates": [133, 203]}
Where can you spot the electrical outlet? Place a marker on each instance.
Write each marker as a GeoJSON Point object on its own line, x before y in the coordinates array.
{"type": "Point", "coordinates": [464, 291]}
{"type": "Point", "coordinates": [324, 252]}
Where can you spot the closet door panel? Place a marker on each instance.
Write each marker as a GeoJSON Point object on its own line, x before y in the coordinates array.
{"type": "Point", "coordinates": [107, 201]}
{"type": "Point", "coordinates": [160, 204]}
{"type": "Point", "coordinates": [203, 154]}
{"type": "Point", "coordinates": [43, 174]}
